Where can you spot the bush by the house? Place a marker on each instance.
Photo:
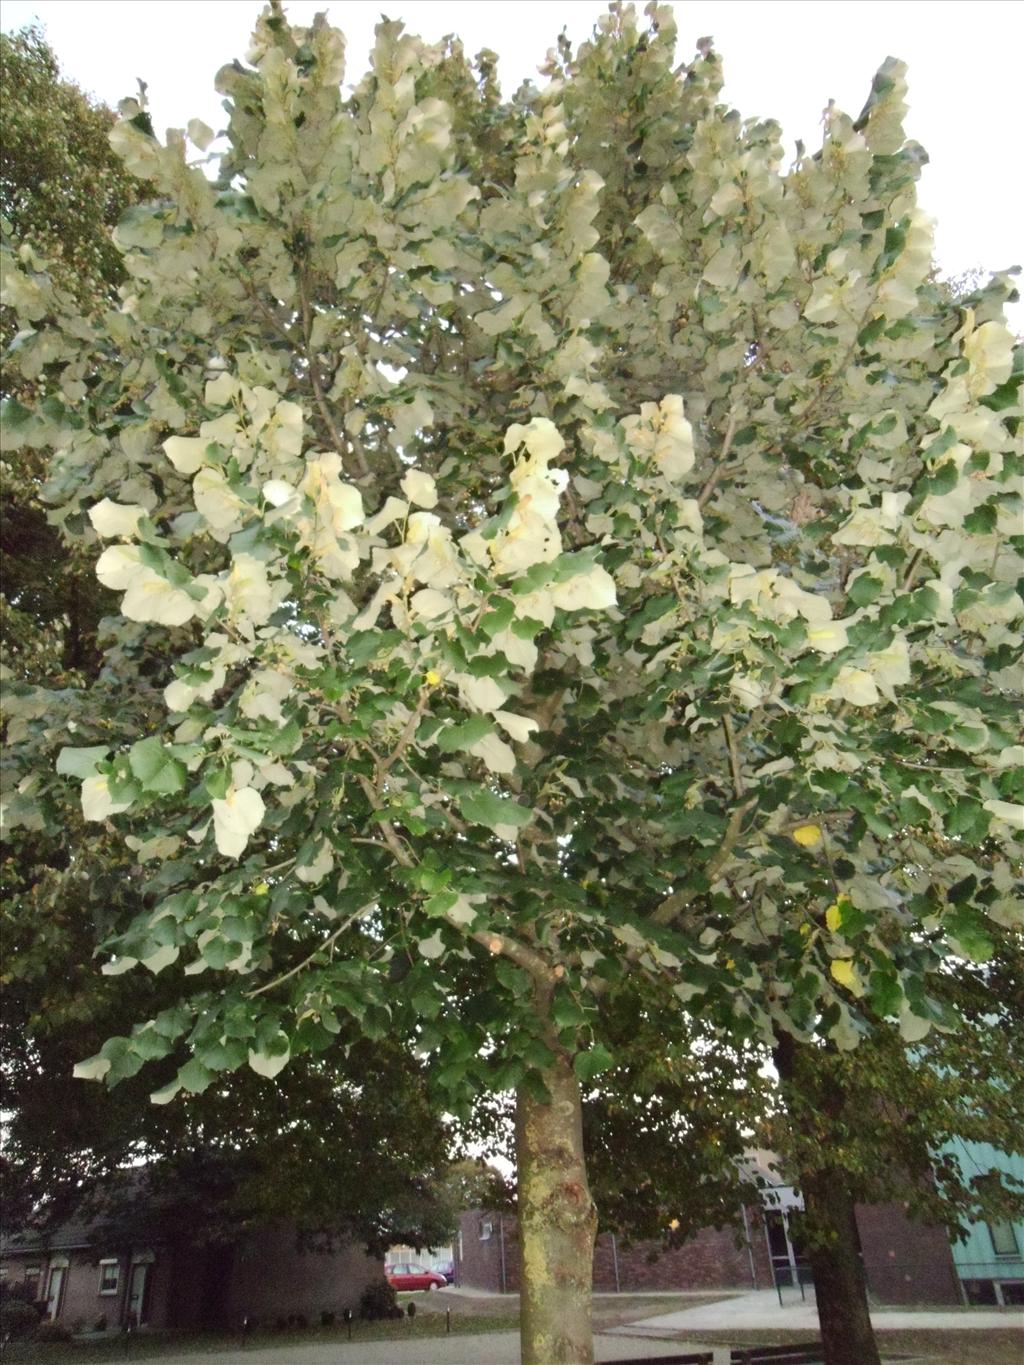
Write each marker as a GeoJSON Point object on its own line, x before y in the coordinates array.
{"type": "Point", "coordinates": [378, 1301]}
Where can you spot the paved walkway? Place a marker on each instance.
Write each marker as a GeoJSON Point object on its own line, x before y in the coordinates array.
{"type": "Point", "coordinates": [761, 1309]}
{"type": "Point", "coordinates": [494, 1348]}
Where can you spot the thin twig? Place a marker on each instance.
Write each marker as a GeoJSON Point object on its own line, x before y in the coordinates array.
{"type": "Point", "coordinates": [340, 444]}
{"type": "Point", "coordinates": [261, 990]}
{"type": "Point", "coordinates": [711, 483]}
{"type": "Point", "coordinates": [734, 757]}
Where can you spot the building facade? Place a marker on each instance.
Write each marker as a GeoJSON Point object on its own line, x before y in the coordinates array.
{"type": "Point", "coordinates": [487, 1257]}
{"type": "Point", "coordinates": [272, 1274]}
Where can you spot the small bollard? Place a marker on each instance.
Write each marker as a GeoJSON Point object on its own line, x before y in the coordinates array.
{"type": "Point", "coordinates": [246, 1329]}
{"type": "Point", "coordinates": [447, 1321]}
{"type": "Point", "coordinates": [348, 1315]}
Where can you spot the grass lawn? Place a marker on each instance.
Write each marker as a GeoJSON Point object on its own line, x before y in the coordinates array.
{"type": "Point", "coordinates": [100, 1350]}
{"type": "Point", "coordinates": [998, 1346]}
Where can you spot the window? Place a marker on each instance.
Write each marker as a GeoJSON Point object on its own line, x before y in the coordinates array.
{"type": "Point", "coordinates": [110, 1275]}
{"type": "Point", "coordinates": [1004, 1239]}
{"type": "Point", "coordinates": [32, 1279]}
{"type": "Point", "coordinates": [486, 1230]}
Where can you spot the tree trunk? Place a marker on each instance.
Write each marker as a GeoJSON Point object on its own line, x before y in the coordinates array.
{"type": "Point", "coordinates": [833, 1247]}
{"type": "Point", "coordinates": [841, 1289]}
{"type": "Point", "coordinates": [557, 1222]}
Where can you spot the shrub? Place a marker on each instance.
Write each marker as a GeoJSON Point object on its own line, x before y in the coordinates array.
{"type": "Point", "coordinates": [410, 1310]}
{"type": "Point", "coordinates": [378, 1302]}
{"type": "Point", "coordinates": [52, 1332]}
{"type": "Point", "coordinates": [100, 1325]}
{"type": "Point", "coordinates": [17, 1317]}
{"type": "Point", "coordinates": [327, 1319]}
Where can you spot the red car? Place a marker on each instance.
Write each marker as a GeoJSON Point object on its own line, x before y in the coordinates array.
{"type": "Point", "coordinates": [406, 1276]}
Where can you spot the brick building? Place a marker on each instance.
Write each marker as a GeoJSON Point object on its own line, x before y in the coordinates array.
{"type": "Point", "coordinates": [904, 1261]}
{"type": "Point", "coordinates": [88, 1282]}
{"type": "Point", "coordinates": [487, 1257]}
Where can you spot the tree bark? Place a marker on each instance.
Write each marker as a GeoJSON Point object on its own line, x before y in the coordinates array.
{"type": "Point", "coordinates": [557, 1221]}
{"type": "Point", "coordinates": [833, 1246]}
{"type": "Point", "coordinates": [839, 1284]}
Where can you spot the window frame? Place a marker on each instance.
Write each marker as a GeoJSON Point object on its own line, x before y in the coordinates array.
{"type": "Point", "coordinates": [1005, 1232]}
{"type": "Point", "coordinates": [105, 1265]}
{"type": "Point", "coordinates": [486, 1229]}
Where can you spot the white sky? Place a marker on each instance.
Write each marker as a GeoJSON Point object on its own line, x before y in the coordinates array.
{"type": "Point", "coordinates": [783, 58]}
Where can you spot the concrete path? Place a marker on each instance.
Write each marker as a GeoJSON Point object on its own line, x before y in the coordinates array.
{"type": "Point", "coordinates": [761, 1309]}
{"type": "Point", "coordinates": [494, 1348]}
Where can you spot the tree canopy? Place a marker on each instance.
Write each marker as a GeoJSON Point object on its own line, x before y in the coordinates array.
{"type": "Point", "coordinates": [556, 547]}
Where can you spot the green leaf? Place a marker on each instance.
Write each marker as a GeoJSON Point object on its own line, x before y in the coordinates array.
{"type": "Point", "coordinates": [194, 1077]}
{"type": "Point", "coordinates": [81, 762]}
{"type": "Point", "coordinates": [967, 935]}
{"type": "Point", "coordinates": [591, 1063]}
{"type": "Point", "coordinates": [495, 812]}
{"type": "Point", "coordinates": [157, 770]}
{"type": "Point", "coordinates": [455, 737]}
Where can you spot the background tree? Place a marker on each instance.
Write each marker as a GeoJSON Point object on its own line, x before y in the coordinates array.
{"type": "Point", "coordinates": [579, 569]}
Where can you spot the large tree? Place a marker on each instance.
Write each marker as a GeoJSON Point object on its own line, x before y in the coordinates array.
{"type": "Point", "coordinates": [586, 553]}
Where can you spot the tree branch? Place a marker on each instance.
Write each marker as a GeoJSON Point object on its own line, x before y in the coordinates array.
{"type": "Point", "coordinates": [711, 483]}
{"type": "Point", "coordinates": [500, 945]}
{"type": "Point", "coordinates": [670, 907]}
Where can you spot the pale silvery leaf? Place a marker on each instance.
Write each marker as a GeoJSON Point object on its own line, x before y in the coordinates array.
{"type": "Point", "coordinates": [117, 966]}
{"type": "Point", "coordinates": [855, 686]}
{"type": "Point", "coordinates": [495, 753]}
{"type": "Point", "coordinates": [92, 1069]}
{"type": "Point", "coordinates": [152, 598]}
{"type": "Point", "coordinates": [989, 351]}
{"type": "Point", "coordinates": [118, 565]}
{"type": "Point", "coordinates": [115, 519]}
{"type": "Point", "coordinates": [178, 695]}
{"type": "Point", "coordinates": [1009, 811]}
{"type": "Point", "coordinates": [235, 818]}
{"type": "Point", "coordinates": [594, 589]}
{"type": "Point", "coordinates": [186, 453]}
{"type": "Point", "coordinates": [827, 638]}
{"type": "Point", "coordinates": [247, 589]}
{"type": "Point", "coordinates": [420, 488]}
{"type": "Point", "coordinates": [277, 492]}
{"type": "Point", "coordinates": [393, 510]}
{"type": "Point", "coordinates": [97, 803]}
{"type": "Point", "coordinates": [200, 133]}
{"type": "Point", "coordinates": [268, 1064]}
{"type": "Point", "coordinates": [321, 866]}
{"type": "Point", "coordinates": [215, 500]}
{"type": "Point", "coordinates": [520, 728]}
{"type": "Point", "coordinates": [429, 603]}
{"type": "Point", "coordinates": [480, 694]}
{"type": "Point", "coordinates": [890, 667]}
{"type": "Point", "coordinates": [339, 506]}
{"type": "Point", "coordinates": [912, 1027]}
{"type": "Point", "coordinates": [747, 689]}
{"type": "Point", "coordinates": [540, 436]}
{"type": "Point", "coordinates": [166, 1093]}
{"type": "Point", "coordinates": [220, 391]}
{"type": "Point", "coordinates": [163, 957]}
{"type": "Point", "coordinates": [431, 947]}
{"type": "Point", "coordinates": [463, 912]}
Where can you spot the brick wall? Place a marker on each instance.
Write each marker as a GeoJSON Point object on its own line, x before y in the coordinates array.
{"type": "Point", "coordinates": [710, 1260]}
{"type": "Point", "coordinates": [271, 1277]}
{"type": "Point", "coordinates": [905, 1262]}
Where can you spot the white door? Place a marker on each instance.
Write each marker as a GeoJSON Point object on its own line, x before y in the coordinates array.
{"type": "Point", "coordinates": [55, 1291]}
{"type": "Point", "coordinates": [137, 1294]}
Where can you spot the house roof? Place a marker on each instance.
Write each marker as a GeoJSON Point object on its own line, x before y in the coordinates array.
{"type": "Point", "coordinates": [73, 1235]}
